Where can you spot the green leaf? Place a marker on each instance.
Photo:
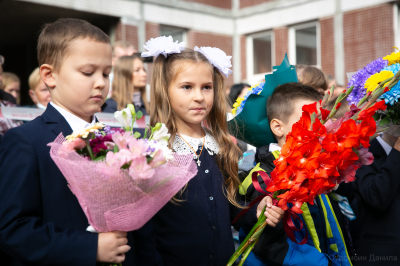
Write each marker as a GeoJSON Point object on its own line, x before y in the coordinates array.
{"type": "Point", "coordinates": [100, 158]}
{"type": "Point", "coordinates": [116, 149]}
{"type": "Point", "coordinates": [146, 131]}
{"type": "Point", "coordinates": [136, 135]}
{"type": "Point", "coordinates": [139, 115]}
{"type": "Point", "coordinates": [384, 122]}
{"type": "Point", "coordinates": [149, 159]}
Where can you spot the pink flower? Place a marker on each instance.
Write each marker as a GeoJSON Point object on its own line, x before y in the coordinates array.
{"type": "Point", "coordinates": [348, 175]}
{"type": "Point", "coordinates": [118, 159]}
{"type": "Point", "coordinates": [138, 147]}
{"type": "Point", "coordinates": [365, 157]}
{"type": "Point", "coordinates": [332, 127]}
{"type": "Point", "coordinates": [121, 140]}
{"type": "Point", "coordinates": [139, 169]}
{"type": "Point", "coordinates": [158, 159]}
{"type": "Point", "coordinates": [75, 144]}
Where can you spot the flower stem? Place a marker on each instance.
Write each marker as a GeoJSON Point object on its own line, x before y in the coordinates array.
{"type": "Point", "coordinates": [247, 253]}
{"type": "Point", "coordinates": [89, 150]}
{"type": "Point", "coordinates": [245, 244]}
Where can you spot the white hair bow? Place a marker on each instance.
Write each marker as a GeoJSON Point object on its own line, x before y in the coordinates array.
{"type": "Point", "coordinates": [162, 45]}
{"type": "Point", "coordinates": [217, 58]}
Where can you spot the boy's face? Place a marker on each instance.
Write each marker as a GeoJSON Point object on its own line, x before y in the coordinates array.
{"type": "Point", "coordinates": [82, 82]}
{"type": "Point", "coordinates": [297, 112]}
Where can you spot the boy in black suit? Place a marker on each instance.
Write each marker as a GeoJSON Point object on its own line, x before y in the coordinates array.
{"type": "Point", "coordinates": [377, 191]}
{"type": "Point", "coordinates": [41, 221]}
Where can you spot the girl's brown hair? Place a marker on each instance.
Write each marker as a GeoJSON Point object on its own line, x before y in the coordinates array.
{"type": "Point", "coordinates": [122, 85]}
{"type": "Point", "coordinates": [164, 72]}
{"type": "Point", "coordinates": [313, 77]}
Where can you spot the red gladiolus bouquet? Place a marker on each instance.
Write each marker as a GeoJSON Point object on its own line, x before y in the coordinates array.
{"type": "Point", "coordinates": [320, 152]}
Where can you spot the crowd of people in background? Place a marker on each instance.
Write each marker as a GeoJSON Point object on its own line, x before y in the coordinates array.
{"type": "Point", "coordinates": [129, 83]}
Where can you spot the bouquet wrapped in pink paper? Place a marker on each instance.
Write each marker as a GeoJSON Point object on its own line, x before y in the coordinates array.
{"type": "Point", "coordinates": [121, 181]}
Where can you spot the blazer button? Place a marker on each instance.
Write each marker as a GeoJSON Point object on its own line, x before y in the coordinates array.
{"type": "Point", "coordinates": [206, 171]}
{"type": "Point", "coordinates": [211, 198]}
{"type": "Point", "coordinates": [214, 227]}
{"type": "Point", "coordinates": [211, 256]}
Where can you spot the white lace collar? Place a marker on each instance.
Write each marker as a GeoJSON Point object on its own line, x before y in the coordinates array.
{"type": "Point", "coordinates": [181, 147]}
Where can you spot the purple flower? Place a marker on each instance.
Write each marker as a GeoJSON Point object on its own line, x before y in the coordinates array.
{"type": "Point", "coordinates": [358, 79]}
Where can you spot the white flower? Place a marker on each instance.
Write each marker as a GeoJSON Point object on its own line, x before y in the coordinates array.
{"type": "Point", "coordinates": [162, 45]}
{"type": "Point", "coordinates": [161, 134]}
{"type": "Point", "coordinates": [167, 152]}
{"type": "Point", "coordinates": [124, 117]}
{"type": "Point", "coordinates": [217, 58]}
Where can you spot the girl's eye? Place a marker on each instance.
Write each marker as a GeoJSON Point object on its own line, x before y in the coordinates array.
{"type": "Point", "coordinates": [87, 74]}
{"type": "Point", "coordinates": [106, 76]}
{"type": "Point", "coordinates": [207, 88]}
{"type": "Point", "coordinates": [186, 87]}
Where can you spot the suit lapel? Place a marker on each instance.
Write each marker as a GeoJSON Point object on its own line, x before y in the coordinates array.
{"type": "Point", "coordinates": [57, 122]}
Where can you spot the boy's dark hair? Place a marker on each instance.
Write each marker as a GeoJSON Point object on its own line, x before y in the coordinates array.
{"type": "Point", "coordinates": [55, 39]}
{"type": "Point", "coordinates": [280, 104]}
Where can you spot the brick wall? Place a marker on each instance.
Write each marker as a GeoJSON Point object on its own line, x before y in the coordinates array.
{"type": "Point", "coordinates": [227, 4]}
{"type": "Point", "coordinates": [152, 31]}
{"type": "Point", "coordinates": [243, 57]}
{"type": "Point", "coordinates": [327, 46]}
{"type": "Point", "coordinates": [368, 35]}
{"type": "Point", "coordinates": [127, 33]}
{"type": "Point", "coordinates": [247, 3]}
{"type": "Point", "coordinates": [281, 44]}
{"type": "Point", "coordinates": [222, 42]}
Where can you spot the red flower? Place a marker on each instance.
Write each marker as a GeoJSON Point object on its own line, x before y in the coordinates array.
{"type": "Point", "coordinates": [366, 129]}
{"type": "Point", "coordinates": [324, 113]}
{"type": "Point", "coordinates": [371, 110]}
{"type": "Point", "coordinates": [345, 137]}
{"type": "Point", "coordinates": [306, 156]}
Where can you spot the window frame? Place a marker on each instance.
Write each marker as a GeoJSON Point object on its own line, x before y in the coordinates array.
{"type": "Point", "coordinates": [251, 77]}
{"type": "Point", "coordinates": [184, 32]}
{"type": "Point", "coordinates": [292, 41]}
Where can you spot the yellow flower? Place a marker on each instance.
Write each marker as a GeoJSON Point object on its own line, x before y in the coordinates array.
{"type": "Point", "coordinates": [373, 81]}
{"type": "Point", "coordinates": [83, 134]}
{"type": "Point", "coordinates": [393, 58]}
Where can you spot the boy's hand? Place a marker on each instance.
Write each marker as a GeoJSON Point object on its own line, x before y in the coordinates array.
{"type": "Point", "coordinates": [397, 144]}
{"type": "Point", "coordinates": [274, 214]}
{"type": "Point", "coordinates": [112, 247]}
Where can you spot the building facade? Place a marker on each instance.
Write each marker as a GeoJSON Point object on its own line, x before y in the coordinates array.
{"type": "Point", "coordinates": [339, 36]}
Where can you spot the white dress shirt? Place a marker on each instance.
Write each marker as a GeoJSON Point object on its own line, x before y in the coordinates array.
{"type": "Point", "coordinates": [76, 123]}
{"type": "Point", "coordinates": [384, 145]}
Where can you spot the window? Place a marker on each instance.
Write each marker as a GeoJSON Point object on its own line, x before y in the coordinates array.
{"type": "Point", "coordinates": [304, 44]}
{"type": "Point", "coordinates": [259, 56]}
{"type": "Point", "coordinates": [262, 54]}
{"type": "Point", "coordinates": [178, 34]}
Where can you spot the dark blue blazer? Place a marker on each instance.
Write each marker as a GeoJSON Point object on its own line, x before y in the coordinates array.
{"type": "Point", "coordinates": [41, 220]}
{"type": "Point", "coordinates": [377, 190]}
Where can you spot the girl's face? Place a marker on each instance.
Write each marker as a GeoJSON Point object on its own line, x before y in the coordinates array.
{"type": "Point", "coordinates": [139, 74]}
{"type": "Point", "coordinates": [13, 88]}
{"type": "Point", "coordinates": [191, 93]}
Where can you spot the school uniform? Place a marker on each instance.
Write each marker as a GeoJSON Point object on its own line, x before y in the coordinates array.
{"type": "Point", "coordinates": [41, 221]}
{"type": "Point", "coordinates": [377, 190]}
{"type": "Point", "coordinates": [196, 231]}
{"type": "Point", "coordinates": [275, 248]}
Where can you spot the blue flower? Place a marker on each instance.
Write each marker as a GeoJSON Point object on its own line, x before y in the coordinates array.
{"type": "Point", "coordinates": [393, 95]}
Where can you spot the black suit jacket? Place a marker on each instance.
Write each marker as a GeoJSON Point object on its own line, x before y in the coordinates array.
{"type": "Point", "coordinates": [41, 220]}
{"type": "Point", "coordinates": [377, 190]}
